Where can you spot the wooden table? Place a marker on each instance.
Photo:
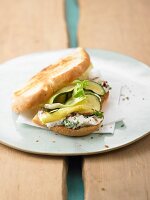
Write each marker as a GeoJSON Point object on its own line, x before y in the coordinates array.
{"type": "Point", "coordinates": [122, 26]}
{"type": "Point", "coordinates": [118, 25]}
{"type": "Point", "coordinates": [25, 27]}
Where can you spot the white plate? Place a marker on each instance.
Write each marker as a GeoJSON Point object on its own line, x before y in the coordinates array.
{"type": "Point", "coordinates": [132, 74]}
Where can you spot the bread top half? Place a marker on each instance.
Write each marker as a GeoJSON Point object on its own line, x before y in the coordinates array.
{"type": "Point", "coordinates": [52, 78]}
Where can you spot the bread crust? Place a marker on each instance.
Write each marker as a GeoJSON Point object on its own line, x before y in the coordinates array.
{"type": "Point", "coordinates": [37, 121]}
{"type": "Point", "coordinates": [75, 132]}
{"type": "Point", "coordinates": [52, 78]}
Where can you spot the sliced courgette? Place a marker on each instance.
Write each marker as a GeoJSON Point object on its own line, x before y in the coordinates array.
{"type": "Point", "coordinates": [62, 91]}
{"type": "Point", "coordinates": [72, 102]}
{"type": "Point", "coordinates": [69, 95]}
{"type": "Point", "coordinates": [63, 112]}
{"type": "Point", "coordinates": [61, 98]}
{"type": "Point", "coordinates": [92, 93]}
{"type": "Point", "coordinates": [54, 106]}
{"type": "Point", "coordinates": [90, 103]}
{"type": "Point", "coordinates": [95, 87]}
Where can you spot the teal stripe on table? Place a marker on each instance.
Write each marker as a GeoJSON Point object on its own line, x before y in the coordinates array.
{"type": "Point", "coordinates": [74, 178]}
{"type": "Point", "coordinates": [72, 17]}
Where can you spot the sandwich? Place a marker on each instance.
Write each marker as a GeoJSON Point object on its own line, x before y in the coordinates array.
{"type": "Point", "coordinates": [63, 96]}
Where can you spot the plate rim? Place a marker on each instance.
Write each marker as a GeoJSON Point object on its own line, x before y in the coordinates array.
{"type": "Point", "coordinates": [77, 154]}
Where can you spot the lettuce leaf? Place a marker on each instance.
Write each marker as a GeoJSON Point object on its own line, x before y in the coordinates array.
{"type": "Point", "coordinates": [79, 88]}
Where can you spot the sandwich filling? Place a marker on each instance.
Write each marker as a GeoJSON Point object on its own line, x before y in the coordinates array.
{"type": "Point", "coordinates": [76, 105]}
{"type": "Point", "coordinates": [76, 121]}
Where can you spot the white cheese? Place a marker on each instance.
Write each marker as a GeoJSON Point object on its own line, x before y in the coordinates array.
{"type": "Point", "coordinates": [83, 120]}
{"type": "Point", "coordinates": [78, 120]}
{"type": "Point", "coordinates": [56, 123]}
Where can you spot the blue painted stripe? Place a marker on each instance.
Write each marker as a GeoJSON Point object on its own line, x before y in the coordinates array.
{"type": "Point", "coordinates": [72, 17]}
{"type": "Point", "coordinates": [74, 179]}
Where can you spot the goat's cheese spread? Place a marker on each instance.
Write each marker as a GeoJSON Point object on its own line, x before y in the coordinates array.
{"type": "Point", "coordinates": [76, 121]}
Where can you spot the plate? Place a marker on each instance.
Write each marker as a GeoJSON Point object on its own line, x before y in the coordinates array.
{"type": "Point", "coordinates": [134, 77]}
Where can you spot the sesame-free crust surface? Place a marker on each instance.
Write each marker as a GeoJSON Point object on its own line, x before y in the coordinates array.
{"type": "Point", "coordinates": [50, 79]}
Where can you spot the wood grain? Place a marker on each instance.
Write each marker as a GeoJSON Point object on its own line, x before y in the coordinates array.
{"type": "Point", "coordinates": [122, 26]}
{"type": "Point", "coordinates": [122, 174]}
{"type": "Point", "coordinates": [28, 26]}
{"type": "Point", "coordinates": [24, 176]}
{"type": "Point", "coordinates": [118, 25]}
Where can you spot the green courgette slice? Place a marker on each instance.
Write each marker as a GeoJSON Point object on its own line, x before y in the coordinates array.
{"type": "Point", "coordinates": [95, 87]}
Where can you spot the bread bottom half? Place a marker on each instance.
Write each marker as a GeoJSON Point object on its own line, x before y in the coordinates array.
{"type": "Point", "coordinates": [69, 131]}
{"type": "Point", "coordinates": [75, 132]}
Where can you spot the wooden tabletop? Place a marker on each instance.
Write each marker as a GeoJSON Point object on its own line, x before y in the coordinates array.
{"type": "Point", "coordinates": [31, 26]}
{"type": "Point", "coordinates": [117, 25]}
{"type": "Point", "coordinates": [25, 27]}
{"type": "Point", "coordinates": [122, 26]}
